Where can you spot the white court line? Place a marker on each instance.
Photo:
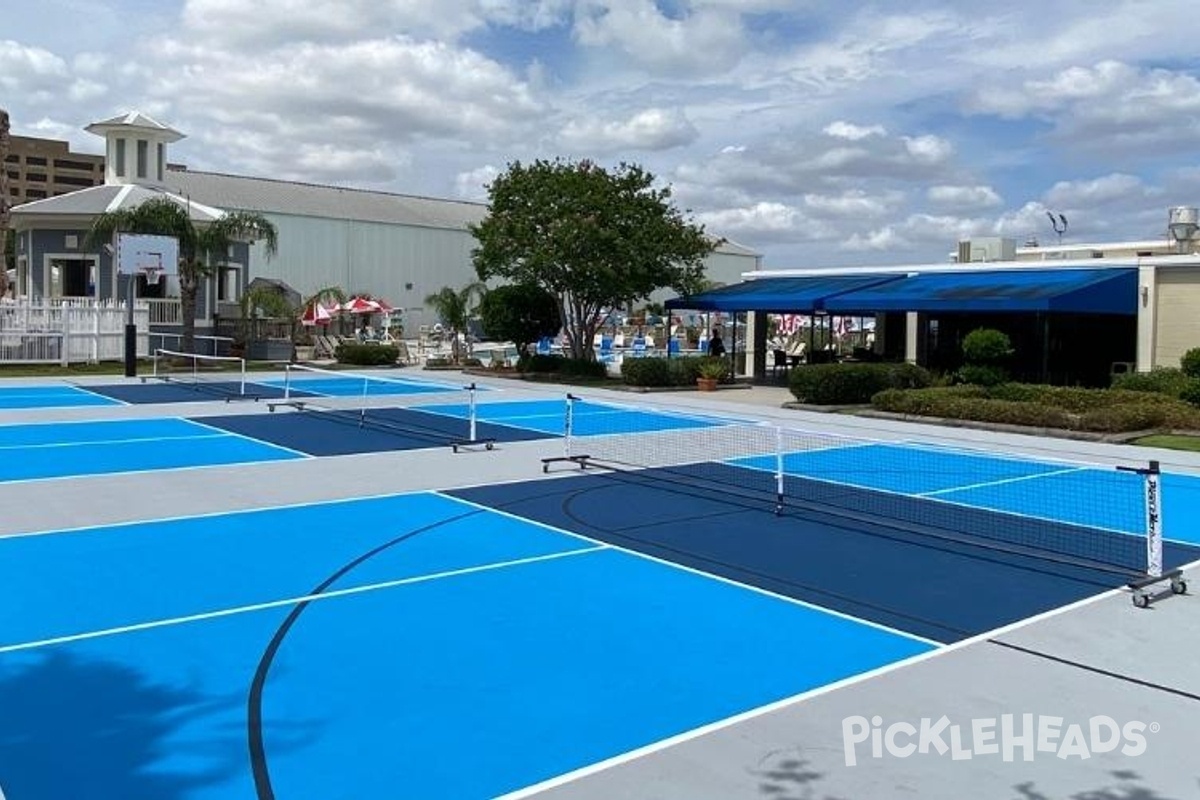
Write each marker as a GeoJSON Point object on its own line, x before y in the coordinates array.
{"type": "Point", "coordinates": [246, 437]}
{"type": "Point", "coordinates": [1001, 481]}
{"type": "Point", "coordinates": [291, 601]}
{"type": "Point", "coordinates": [787, 702]}
{"type": "Point", "coordinates": [135, 440]}
{"type": "Point", "coordinates": [93, 393]}
{"type": "Point", "coordinates": [701, 573]}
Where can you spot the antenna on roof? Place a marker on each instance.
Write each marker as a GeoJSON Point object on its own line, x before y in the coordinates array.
{"type": "Point", "coordinates": [1059, 225]}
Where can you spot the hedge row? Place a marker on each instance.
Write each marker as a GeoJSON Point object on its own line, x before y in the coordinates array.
{"type": "Point", "coordinates": [372, 355]}
{"type": "Point", "coordinates": [848, 384]}
{"type": "Point", "coordinates": [1098, 410]}
{"type": "Point", "coordinates": [561, 365]}
{"type": "Point", "coordinates": [656, 372]}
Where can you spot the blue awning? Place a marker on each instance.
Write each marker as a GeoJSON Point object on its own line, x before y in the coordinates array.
{"type": "Point", "coordinates": [1081, 291]}
{"type": "Point", "coordinates": [780, 295]}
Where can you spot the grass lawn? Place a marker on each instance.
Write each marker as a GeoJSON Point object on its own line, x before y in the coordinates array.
{"type": "Point", "coordinates": [1170, 441]}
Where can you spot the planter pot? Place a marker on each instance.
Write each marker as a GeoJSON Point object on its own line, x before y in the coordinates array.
{"type": "Point", "coordinates": [707, 384]}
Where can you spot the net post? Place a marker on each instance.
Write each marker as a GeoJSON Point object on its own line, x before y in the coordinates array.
{"type": "Point", "coordinates": [471, 416]}
{"type": "Point", "coordinates": [1153, 501]}
{"type": "Point", "coordinates": [473, 424]}
{"type": "Point", "coordinates": [287, 382]}
{"type": "Point", "coordinates": [242, 382]}
{"type": "Point", "coordinates": [568, 438]}
{"type": "Point", "coordinates": [778, 470]}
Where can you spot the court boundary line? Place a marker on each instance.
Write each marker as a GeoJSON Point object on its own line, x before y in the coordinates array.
{"type": "Point", "coordinates": [701, 573]}
{"type": "Point", "coordinates": [247, 437]}
{"type": "Point", "coordinates": [291, 601]}
{"type": "Point", "coordinates": [94, 393]}
{"type": "Point", "coordinates": [1001, 482]}
{"type": "Point", "coordinates": [135, 440]}
{"type": "Point", "coordinates": [769, 708]}
{"type": "Point", "coordinates": [120, 473]}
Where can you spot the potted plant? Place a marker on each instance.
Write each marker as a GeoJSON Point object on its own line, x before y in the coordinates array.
{"type": "Point", "coordinates": [711, 373]}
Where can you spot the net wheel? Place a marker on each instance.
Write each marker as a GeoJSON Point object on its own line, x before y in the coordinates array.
{"type": "Point", "coordinates": [490, 446]}
{"type": "Point", "coordinates": [1141, 600]}
{"type": "Point", "coordinates": [1179, 586]}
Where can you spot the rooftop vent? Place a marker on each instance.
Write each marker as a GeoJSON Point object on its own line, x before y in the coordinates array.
{"type": "Point", "coordinates": [988, 248]}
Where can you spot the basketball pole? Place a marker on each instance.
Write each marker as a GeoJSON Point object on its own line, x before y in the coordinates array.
{"type": "Point", "coordinates": [130, 329]}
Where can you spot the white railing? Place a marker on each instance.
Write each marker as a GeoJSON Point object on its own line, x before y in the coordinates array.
{"type": "Point", "coordinates": [68, 330]}
{"type": "Point", "coordinates": [168, 311]}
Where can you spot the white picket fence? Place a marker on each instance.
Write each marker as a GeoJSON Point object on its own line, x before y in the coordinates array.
{"type": "Point", "coordinates": [68, 331]}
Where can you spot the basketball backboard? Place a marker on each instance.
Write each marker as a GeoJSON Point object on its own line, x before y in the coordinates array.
{"type": "Point", "coordinates": [138, 253]}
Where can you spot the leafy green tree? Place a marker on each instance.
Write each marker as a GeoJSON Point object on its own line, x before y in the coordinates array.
{"type": "Point", "coordinates": [520, 314]}
{"type": "Point", "coordinates": [454, 307]}
{"type": "Point", "coordinates": [4, 216]}
{"type": "Point", "coordinates": [595, 239]}
{"type": "Point", "coordinates": [200, 247]}
{"type": "Point", "coordinates": [985, 352]}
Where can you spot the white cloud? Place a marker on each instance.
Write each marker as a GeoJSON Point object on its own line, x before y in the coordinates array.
{"type": "Point", "coordinates": [1116, 187]}
{"type": "Point", "coordinates": [853, 205]}
{"type": "Point", "coordinates": [473, 184]}
{"type": "Point", "coordinates": [848, 130]}
{"type": "Point", "coordinates": [650, 129]}
{"type": "Point", "coordinates": [966, 197]}
{"type": "Point", "coordinates": [706, 38]}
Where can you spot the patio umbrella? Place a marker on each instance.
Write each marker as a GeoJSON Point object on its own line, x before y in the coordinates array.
{"type": "Point", "coordinates": [316, 314]}
{"type": "Point", "coordinates": [360, 305]}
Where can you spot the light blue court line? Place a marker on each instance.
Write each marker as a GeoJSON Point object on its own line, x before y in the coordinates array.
{"type": "Point", "coordinates": [71, 449]}
{"type": "Point", "coordinates": [51, 396]}
{"type": "Point", "coordinates": [553, 655]}
{"type": "Point", "coordinates": [356, 387]}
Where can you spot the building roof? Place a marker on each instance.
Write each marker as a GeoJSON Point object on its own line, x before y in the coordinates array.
{"type": "Point", "coordinates": [96, 200]}
{"type": "Point", "coordinates": [138, 120]}
{"type": "Point", "coordinates": [267, 195]}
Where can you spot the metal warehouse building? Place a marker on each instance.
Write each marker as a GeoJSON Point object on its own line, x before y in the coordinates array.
{"type": "Point", "coordinates": [399, 247]}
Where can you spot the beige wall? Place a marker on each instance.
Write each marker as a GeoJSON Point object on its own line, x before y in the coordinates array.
{"type": "Point", "coordinates": [1177, 311]}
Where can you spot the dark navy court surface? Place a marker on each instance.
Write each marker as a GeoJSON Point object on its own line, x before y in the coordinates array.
{"type": "Point", "coordinates": [153, 392]}
{"type": "Point", "coordinates": [151, 389]}
{"type": "Point", "coordinates": [334, 433]}
{"type": "Point", "coordinates": [896, 575]}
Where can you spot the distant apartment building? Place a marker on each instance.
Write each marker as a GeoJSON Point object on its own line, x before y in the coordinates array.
{"type": "Point", "coordinates": [41, 168]}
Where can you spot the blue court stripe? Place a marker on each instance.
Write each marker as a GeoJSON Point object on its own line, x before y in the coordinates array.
{"type": "Point", "coordinates": [41, 433]}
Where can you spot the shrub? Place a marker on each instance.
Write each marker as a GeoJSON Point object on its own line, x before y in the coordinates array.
{"type": "Point", "coordinates": [909, 376]}
{"type": "Point", "coordinates": [541, 363]}
{"type": "Point", "coordinates": [1123, 418]}
{"type": "Point", "coordinates": [986, 346]}
{"type": "Point", "coordinates": [646, 372]}
{"type": "Point", "coordinates": [684, 371]}
{"type": "Point", "coordinates": [372, 355]}
{"type": "Point", "coordinates": [1189, 363]}
{"type": "Point", "coordinates": [982, 374]}
{"type": "Point", "coordinates": [1191, 392]}
{"type": "Point", "coordinates": [583, 368]}
{"type": "Point", "coordinates": [1165, 380]}
{"type": "Point", "coordinates": [832, 384]}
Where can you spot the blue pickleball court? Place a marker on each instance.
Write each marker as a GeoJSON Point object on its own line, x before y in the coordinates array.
{"type": "Point", "coordinates": [411, 646]}
{"type": "Point", "coordinates": [588, 418]}
{"type": "Point", "coordinates": [52, 396]}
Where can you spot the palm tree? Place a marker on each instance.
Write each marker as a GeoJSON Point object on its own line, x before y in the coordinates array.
{"type": "Point", "coordinates": [199, 247]}
{"type": "Point", "coordinates": [4, 218]}
{"type": "Point", "coordinates": [455, 308]}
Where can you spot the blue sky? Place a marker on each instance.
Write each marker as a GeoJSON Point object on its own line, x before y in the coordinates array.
{"type": "Point", "coordinates": [819, 134]}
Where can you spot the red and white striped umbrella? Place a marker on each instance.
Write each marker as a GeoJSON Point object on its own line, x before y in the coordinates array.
{"type": "Point", "coordinates": [316, 314]}
{"type": "Point", "coordinates": [360, 305]}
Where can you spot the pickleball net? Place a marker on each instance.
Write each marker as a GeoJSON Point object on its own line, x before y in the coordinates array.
{"type": "Point", "coordinates": [368, 401]}
{"type": "Point", "coordinates": [220, 376]}
{"type": "Point", "coordinates": [1093, 517]}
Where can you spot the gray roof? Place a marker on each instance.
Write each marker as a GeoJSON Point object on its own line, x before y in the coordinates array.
{"type": "Point", "coordinates": [265, 195]}
{"type": "Point", "coordinates": [135, 119]}
{"type": "Point", "coordinates": [97, 200]}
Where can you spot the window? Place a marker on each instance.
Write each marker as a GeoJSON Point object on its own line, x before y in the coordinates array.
{"type": "Point", "coordinates": [162, 159]}
{"type": "Point", "coordinates": [119, 168]}
{"type": "Point", "coordinates": [35, 194]}
{"type": "Point", "coordinates": [35, 161]}
{"type": "Point", "coordinates": [74, 180]}
{"type": "Point", "coordinates": [143, 156]}
{"type": "Point", "coordinates": [35, 177]}
{"type": "Point", "coordinates": [66, 163]}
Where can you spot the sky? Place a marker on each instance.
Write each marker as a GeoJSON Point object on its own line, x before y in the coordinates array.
{"type": "Point", "coordinates": [819, 134]}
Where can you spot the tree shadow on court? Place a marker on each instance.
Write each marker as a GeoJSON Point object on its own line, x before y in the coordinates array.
{"type": "Point", "coordinates": [786, 775]}
{"type": "Point", "coordinates": [1127, 786]}
{"type": "Point", "coordinates": [76, 728]}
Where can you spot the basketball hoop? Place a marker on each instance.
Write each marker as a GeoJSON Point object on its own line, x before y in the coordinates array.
{"type": "Point", "coordinates": [153, 275]}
